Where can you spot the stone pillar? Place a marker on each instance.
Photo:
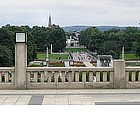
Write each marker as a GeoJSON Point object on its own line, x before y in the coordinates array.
{"type": "Point", "coordinates": [119, 74]}
{"type": "Point", "coordinates": [47, 53]}
{"type": "Point", "coordinates": [20, 64]}
{"type": "Point", "coordinates": [123, 53]}
{"type": "Point", "coordinates": [51, 48]}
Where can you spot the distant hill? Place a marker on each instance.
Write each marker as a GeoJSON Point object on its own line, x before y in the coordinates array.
{"type": "Point", "coordinates": [81, 28]}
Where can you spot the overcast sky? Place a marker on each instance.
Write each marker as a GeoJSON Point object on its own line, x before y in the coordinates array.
{"type": "Point", "coordinates": [70, 12]}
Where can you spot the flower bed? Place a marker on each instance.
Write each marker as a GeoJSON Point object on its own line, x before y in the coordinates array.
{"type": "Point", "coordinates": [56, 64]}
{"type": "Point", "coordinates": [79, 64]}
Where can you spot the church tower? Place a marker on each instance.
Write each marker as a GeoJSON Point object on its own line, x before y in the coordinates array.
{"type": "Point", "coordinates": [50, 22]}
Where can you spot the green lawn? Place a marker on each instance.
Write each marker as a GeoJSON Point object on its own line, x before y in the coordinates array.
{"type": "Point", "coordinates": [132, 64]}
{"type": "Point", "coordinates": [52, 56]}
{"type": "Point", "coordinates": [75, 49]}
{"type": "Point", "coordinates": [129, 56]}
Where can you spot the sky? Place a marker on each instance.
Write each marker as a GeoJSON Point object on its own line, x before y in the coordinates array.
{"type": "Point", "coordinates": [70, 12]}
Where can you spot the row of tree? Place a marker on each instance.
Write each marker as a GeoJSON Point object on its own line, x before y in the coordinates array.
{"type": "Point", "coordinates": [112, 41]}
{"type": "Point", "coordinates": [38, 39]}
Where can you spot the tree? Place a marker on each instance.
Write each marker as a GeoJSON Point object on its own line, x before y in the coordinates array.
{"type": "Point", "coordinates": [91, 38]}
{"type": "Point", "coordinates": [109, 48]}
{"type": "Point", "coordinates": [7, 38]}
{"type": "Point", "coordinates": [6, 58]}
{"type": "Point", "coordinates": [57, 38]}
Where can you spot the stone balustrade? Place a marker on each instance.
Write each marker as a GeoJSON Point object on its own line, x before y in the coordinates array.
{"type": "Point", "coordinates": [7, 75]}
{"type": "Point", "coordinates": [69, 77]}
{"type": "Point", "coordinates": [116, 77]}
{"type": "Point", "coordinates": [132, 77]}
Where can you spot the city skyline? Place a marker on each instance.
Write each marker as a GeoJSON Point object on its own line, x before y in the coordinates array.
{"type": "Point", "coordinates": [68, 13]}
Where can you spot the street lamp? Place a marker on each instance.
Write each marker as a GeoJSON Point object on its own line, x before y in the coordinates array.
{"type": "Point", "coordinates": [21, 37]}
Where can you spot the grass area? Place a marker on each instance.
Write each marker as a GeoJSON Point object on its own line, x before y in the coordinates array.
{"type": "Point", "coordinates": [129, 56]}
{"type": "Point", "coordinates": [52, 56]}
{"type": "Point", "coordinates": [41, 56]}
{"type": "Point", "coordinates": [75, 49]}
{"type": "Point", "coordinates": [132, 64]}
{"type": "Point", "coordinates": [37, 65]}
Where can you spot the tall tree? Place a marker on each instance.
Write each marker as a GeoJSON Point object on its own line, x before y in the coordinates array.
{"type": "Point", "coordinates": [57, 38]}
{"type": "Point", "coordinates": [6, 58]}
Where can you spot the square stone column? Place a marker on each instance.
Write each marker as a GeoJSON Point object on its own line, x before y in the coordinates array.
{"type": "Point", "coordinates": [119, 74]}
{"type": "Point", "coordinates": [20, 61]}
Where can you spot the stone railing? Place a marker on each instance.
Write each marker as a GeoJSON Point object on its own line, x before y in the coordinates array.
{"type": "Point", "coordinates": [132, 77]}
{"type": "Point", "coordinates": [117, 77]}
{"type": "Point", "coordinates": [69, 78]}
{"type": "Point", "coordinates": [7, 75]}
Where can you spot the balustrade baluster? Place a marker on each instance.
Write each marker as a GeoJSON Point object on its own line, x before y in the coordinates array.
{"type": "Point", "coordinates": [0, 77]}
{"type": "Point", "coordinates": [56, 76]}
{"type": "Point", "coordinates": [111, 77]}
{"type": "Point", "coordinates": [83, 76]}
{"type": "Point", "coordinates": [77, 76]}
{"type": "Point", "coordinates": [127, 76]}
{"type": "Point", "coordinates": [35, 76]}
{"type": "Point", "coordinates": [90, 76]}
{"type": "Point", "coordinates": [42, 76]}
{"type": "Point", "coordinates": [133, 76]}
{"type": "Point", "coordinates": [6, 77]}
{"type": "Point", "coordinates": [63, 76]}
{"type": "Point", "coordinates": [98, 76]}
{"type": "Point", "coordinates": [139, 76]}
{"type": "Point", "coordinates": [70, 74]}
{"type": "Point", "coordinates": [13, 77]}
{"type": "Point", "coordinates": [49, 76]}
{"type": "Point", "coordinates": [45, 75]}
{"type": "Point", "coordinates": [104, 76]}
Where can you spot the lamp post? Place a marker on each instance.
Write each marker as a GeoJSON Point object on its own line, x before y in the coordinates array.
{"type": "Point", "coordinates": [20, 60]}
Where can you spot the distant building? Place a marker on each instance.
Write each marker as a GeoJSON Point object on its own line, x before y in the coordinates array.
{"type": "Point", "coordinates": [73, 40]}
{"type": "Point", "coordinates": [50, 25]}
{"type": "Point", "coordinates": [50, 22]}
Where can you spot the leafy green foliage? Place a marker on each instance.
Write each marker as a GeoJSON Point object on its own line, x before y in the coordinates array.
{"type": "Point", "coordinates": [6, 58]}
{"type": "Point", "coordinates": [112, 41]}
{"type": "Point", "coordinates": [44, 37]}
{"type": "Point", "coordinates": [39, 38]}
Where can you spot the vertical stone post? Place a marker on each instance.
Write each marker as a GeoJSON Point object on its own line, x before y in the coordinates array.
{"type": "Point", "coordinates": [47, 53]}
{"type": "Point", "coordinates": [119, 74]}
{"type": "Point", "coordinates": [123, 53]}
{"type": "Point", "coordinates": [20, 61]}
{"type": "Point", "coordinates": [51, 48]}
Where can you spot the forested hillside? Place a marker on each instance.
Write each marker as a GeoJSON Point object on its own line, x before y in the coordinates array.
{"type": "Point", "coordinates": [38, 39]}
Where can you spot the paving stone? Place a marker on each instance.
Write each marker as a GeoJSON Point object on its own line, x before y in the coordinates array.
{"type": "Point", "coordinates": [11, 100]}
{"type": "Point", "coordinates": [62, 101]}
{"type": "Point", "coordinates": [36, 100]}
{"type": "Point", "coordinates": [2, 99]}
{"type": "Point", "coordinates": [75, 102]}
{"type": "Point", "coordinates": [49, 101]}
{"type": "Point", "coordinates": [23, 100]}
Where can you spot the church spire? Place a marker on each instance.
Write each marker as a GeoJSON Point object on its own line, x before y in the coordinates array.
{"type": "Point", "coordinates": [50, 22]}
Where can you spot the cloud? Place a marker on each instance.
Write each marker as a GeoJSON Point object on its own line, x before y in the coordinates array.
{"type": "Point", "coordinates": [89, 12]}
